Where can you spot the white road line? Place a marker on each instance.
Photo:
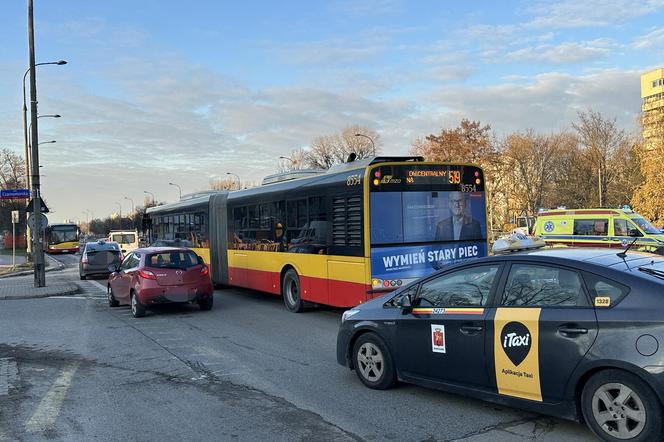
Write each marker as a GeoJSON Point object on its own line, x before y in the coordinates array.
{"type": "Point", "coordinates": [49, 408]}
{"type": "Point", "coordinates": [67, 297]}
{"type": "Point", "coordinates": [98, 285]}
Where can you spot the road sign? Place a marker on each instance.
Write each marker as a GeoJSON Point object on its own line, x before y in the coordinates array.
{"type": "Point", "coordinates": [29, 209]}
{"type": "Point", "coordinates": [12, 194]}
{"type": "Point", "coordinates": [31, 222]}
{"type": "Point", "coordinates": [15, 217]}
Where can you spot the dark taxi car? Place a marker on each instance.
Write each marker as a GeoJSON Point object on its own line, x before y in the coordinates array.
{"type": "Point", "coordinates": [574, 333]}
{"type": "Point", "coordinates": [98, 257]}
{"type": "Point", "coordinates": [159, 275]}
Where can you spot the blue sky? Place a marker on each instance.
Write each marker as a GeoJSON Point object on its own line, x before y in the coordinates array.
{"type": "Point", "coordinates": [159, 91]}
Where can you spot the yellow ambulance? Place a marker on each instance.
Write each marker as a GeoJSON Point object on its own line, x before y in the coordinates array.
{"type": "Point", "coordinates": [598, 228]}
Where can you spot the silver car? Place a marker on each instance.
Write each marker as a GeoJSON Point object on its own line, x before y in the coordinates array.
{"type": "Point", "coordinates": [99, 258]}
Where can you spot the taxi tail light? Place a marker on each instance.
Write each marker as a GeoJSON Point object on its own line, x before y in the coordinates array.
{"type": "Point", "coordinates": [146, 274]}
{"type": "Point", "coordinates": [205, 270]}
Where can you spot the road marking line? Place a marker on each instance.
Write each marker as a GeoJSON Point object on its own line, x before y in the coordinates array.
{"type": "Point", "coordinates": [50, 406]}
{"type": "Point", "coordinates": [67, 297]}
{"type": "Point", "coordinates": [98, 285]}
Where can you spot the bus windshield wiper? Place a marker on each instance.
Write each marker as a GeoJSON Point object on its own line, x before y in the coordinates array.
{"type": "Point", "coordinates": [654, 272]}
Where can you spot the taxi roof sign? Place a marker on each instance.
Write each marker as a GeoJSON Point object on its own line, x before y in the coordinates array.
{"type": "Point", "coordinates": [517, 241]}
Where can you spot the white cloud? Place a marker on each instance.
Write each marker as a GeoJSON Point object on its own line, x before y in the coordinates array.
{"type": "Point", "coordinates": [567, 52]}
{"type": "Point", "coordinates": [576, 14]}
{"type": "Point", "coordinates": [651, 39]}
{"type": "Point", "coordinates": [547, 102]}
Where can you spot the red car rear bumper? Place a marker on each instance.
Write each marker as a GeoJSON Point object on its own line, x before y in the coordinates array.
{"type": "Point", "coordinates": [174, 293]}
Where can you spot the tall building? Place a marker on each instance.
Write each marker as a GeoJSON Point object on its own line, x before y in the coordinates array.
{"type": "Point", "coordinates": [652, 95]}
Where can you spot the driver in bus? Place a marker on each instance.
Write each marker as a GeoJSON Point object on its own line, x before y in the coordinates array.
{"type": "Point", "coordinates": [280, 237]}
{"type": "Point", "coordinates": [460, 226]}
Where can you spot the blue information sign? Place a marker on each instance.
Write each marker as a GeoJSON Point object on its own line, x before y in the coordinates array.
{"type": "Point", "coordinates": [9, 194]}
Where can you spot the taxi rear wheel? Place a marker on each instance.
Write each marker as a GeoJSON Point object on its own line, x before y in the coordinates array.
{"type": "Point", "coordinates": [619, 406]}
{"type": "Point", "coordinates": [373, 363]}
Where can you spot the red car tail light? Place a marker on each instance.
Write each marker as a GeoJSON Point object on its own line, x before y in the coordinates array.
{"type": "Point", "coordinates": [146, 274]}
{"type": "Point", "coordinates": [205, 271]}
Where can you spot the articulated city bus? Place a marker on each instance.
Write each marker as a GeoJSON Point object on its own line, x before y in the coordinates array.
{"type": "Point", "coordinates": [61, 238]}
{"type": "Point", "coordinates": [338, 237]}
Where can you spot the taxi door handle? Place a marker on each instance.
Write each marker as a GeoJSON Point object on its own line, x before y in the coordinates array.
{"type": "Point", "coordinates": [564, 330]}
{"type": "Point", "coordinates": [471, 329]}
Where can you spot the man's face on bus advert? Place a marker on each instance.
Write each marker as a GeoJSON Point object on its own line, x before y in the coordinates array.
{"type": "Point", "coordinates": [457, 204]}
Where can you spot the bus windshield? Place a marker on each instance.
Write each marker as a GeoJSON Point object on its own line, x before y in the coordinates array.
{"type": "Point", "coordinates": [423, 217]}
{"type": "Point", "coordinates": [59, 235]}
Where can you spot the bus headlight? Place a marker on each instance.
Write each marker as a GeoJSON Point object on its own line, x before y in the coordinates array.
{"type": "Point", "coordinates": [348, 313]}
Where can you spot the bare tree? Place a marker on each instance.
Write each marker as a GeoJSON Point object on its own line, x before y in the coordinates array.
{"type": "Point", "coordinates": [296, 160]}
{"type": "Point", "coordinates": [532, 159]}
{"type": "Point", "coordinates": [327, 150]}
{"type": "Point", "coordinates": [12, 169]}
{"type": "Point", "coordinates": [224, 184]}
{"type": "Point", "coordinates": [601, 140]}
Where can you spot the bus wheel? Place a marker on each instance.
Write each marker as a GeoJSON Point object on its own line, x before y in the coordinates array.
{"type": "Point", "coordinates": [290, 290]}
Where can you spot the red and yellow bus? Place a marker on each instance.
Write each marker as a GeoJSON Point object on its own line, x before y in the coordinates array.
{"type": "Point", "coordinates": [61, 238]}
{"type": "Point", "coordinates": [338, 237]}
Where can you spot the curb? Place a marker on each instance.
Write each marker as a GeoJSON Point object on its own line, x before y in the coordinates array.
{"type": "Point", "coordinates": [53, 265]}
{"type": "Point", "coordinates": [73, 289]}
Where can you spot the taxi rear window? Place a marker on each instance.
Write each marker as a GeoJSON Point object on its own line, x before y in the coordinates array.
{"type": "Point", "coordinates": [605, 292]}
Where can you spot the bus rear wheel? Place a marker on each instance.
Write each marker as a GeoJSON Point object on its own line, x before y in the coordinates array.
{"type": "Point", "coordinates": [291, 291]}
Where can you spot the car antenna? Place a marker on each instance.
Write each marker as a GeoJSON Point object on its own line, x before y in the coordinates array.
{"type": "Point", "coordinates": [623, 254]}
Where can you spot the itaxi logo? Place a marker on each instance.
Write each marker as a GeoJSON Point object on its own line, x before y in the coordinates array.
{"type": "Point", "coordinates": [516, 341]}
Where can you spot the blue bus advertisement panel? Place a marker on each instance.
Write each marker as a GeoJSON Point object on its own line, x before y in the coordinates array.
{"type": "Point", "coordinates": [423, 217]}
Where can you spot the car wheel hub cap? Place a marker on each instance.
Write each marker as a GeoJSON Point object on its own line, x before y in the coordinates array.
{"type": "Point", "coordinates": [370, 362]}
{"type": "Point", "coordinates": [133, 304]}
{"type": "Point", "coordinates": [619, 411]}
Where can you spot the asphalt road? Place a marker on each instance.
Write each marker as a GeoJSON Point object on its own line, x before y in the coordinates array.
{"type": "Point", "coordinates": [71, 368]}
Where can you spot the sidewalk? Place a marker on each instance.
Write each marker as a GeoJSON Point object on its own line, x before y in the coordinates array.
{"type": "Point", "coordinates": [25, 289]}
{"type": "Point", "coordinates": [19, 285]}
{"type": "Point", "coordinates": [52, 264]}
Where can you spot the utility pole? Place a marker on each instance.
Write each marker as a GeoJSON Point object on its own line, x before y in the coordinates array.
{"type": "Point", "coordinates": [37, 249]}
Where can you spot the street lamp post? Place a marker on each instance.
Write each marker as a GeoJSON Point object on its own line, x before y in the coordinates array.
{"type": "Point", "coordinates": [239, 183]}
{"type": "Point", "coordinates": [152, 195]}
{"type": "Point", "coordinates": [132, 210]}
{"type": "Point", "coordinates": [373, 146]}
{"type": "Point", "coordinates": [178, 186]}
{"type": "Point", "coordinates": [132, 203]}
{"type": "Point", "coordinates": [37, 246]}
{"type": "Point", "coordinates": [119, 213]}
{"type": "Point", "coordinates": [25, 120]}
{"type": "Point", "coordinates": [27, 159]}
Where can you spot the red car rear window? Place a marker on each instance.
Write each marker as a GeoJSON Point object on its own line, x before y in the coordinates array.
{"type": "Point", "coordinates": [173, 260]}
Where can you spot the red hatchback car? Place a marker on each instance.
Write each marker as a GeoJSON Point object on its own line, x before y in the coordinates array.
{"type": "Point", "coordinates": [159, 275]}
